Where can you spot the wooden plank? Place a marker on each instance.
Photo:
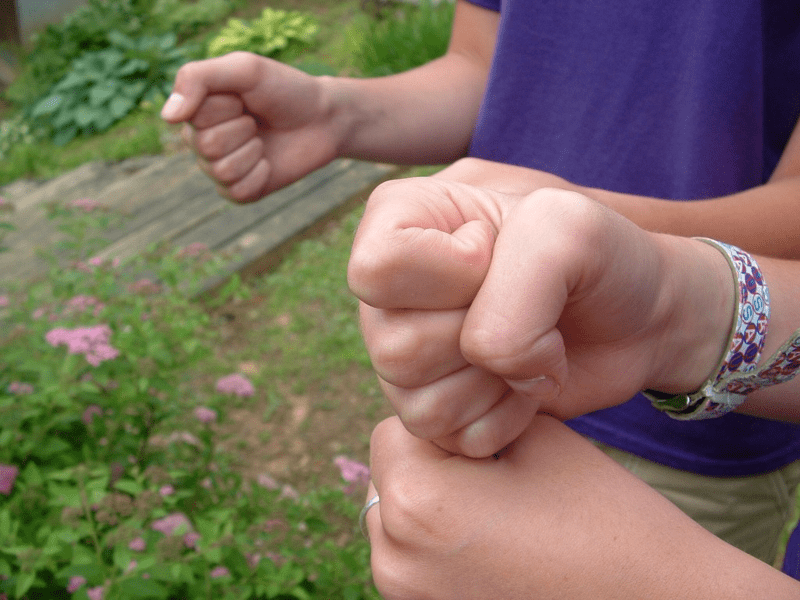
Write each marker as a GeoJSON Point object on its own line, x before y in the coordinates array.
{"type": "Point", "coordinates": [235, 218]}
{"type": "Point", "coordinates": [166, 218]}
{"type": "Point", "coordinates": [132, 194]}
{"type": "Point", "coordinates": [259, 247]}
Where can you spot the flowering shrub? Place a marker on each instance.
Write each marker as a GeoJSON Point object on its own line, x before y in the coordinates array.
{"type": "Point", "coordinates": [111, 483]}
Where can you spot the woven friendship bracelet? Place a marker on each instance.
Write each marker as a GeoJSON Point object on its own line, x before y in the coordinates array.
{"type": "Point", "coordinates": [727, 387]}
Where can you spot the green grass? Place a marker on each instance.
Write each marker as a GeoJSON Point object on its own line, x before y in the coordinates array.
{"type": "Point", "coordinates": [139, 134]}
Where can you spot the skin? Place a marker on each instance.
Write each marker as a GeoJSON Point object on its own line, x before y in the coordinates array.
{"type": "Point", "coordinates": [472, 293]}
{"type": "Point", "coordinates": [258, 126]}
{"type": "Point", "coordinates": [554, 518]}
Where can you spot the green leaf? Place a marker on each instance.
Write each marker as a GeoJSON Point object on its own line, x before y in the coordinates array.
{"type": "Point", "coordinates": [24, 583]}
{"type": "Point", "coordinates": [128, 486]}
{"type": "Point", "coordinates": [32, 474]}
{"type": "Point", "coordinates": [138, 587]}
{"type": "Point", "coordinates": [134, 65]}
{"type": "Point", "coordinates": [47, 106]}
{"type": "Point", "coordinates": [121, 106]}
{"type": "Point", "coordinates": [85, 115]}
{"type": "Point", "coordinates": [133, 90]}
{"type": "Point", "coordinates": [100, 93]}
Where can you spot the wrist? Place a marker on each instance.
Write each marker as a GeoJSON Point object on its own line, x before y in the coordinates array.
{"type": "Point", "coordinates": [699, 298]}
{"type": "Point", "coordinates": [349, 116]}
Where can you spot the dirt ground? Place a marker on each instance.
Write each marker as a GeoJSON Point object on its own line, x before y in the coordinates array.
{"type": "Point", "coordinates": [295, 438]}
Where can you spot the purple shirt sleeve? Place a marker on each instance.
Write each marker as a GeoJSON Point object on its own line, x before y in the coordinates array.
{"type": "Point", "coordinates": [490, 4]}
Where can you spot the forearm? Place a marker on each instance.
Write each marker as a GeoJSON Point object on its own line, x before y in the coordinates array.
{"type": "Point", "coordinates": [763, 220]}
{"type": "Point", "coordinates": [554, 517]}
{"type": "Point", "coordinates": [425, 115]}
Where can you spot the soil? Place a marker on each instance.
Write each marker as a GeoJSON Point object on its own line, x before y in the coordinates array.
{"type": "Point", "coordinates": [296, 438]}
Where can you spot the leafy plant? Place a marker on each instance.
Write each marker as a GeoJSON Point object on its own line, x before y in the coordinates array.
{"type": "Point", "coordinates": [83, 30]}
{"type": "Point", "coordinates": [104, 86]}
{"type": "Point", "coordinates": [112, 480]}
{"type": "Point", "coordinates": [393, 40]}
{"type": "Point", "coordinates": [274, 33]}
{"type": "Point", "coordinates": [187, 18]}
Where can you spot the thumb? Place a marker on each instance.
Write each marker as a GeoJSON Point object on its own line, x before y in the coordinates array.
{"type": "Point", "coordinates": [512, 327]}
{"type": "Point", "coordinates": [235, 73]}
{"type": "Point", "coordinates": [422, 243]}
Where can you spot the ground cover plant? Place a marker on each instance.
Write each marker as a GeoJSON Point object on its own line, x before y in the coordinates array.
{"type": "Point", "coordinates": [116, 407]}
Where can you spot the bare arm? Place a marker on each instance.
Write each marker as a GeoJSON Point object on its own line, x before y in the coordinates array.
{"type": "Point", "coordinates": [426, 115]}
{"type": "Point", "coordinates": [258, 125]}
{"type": "Point", "coordinates": [764, 219]}
{"type": "Point", "coordinates": [553, 518]}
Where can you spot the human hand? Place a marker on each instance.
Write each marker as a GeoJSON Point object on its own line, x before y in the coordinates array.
{"type": "Point", "coordinates": [553, 518]}
{"type": "Point", "coordinates": [255, 123]}
{"type": "Point", "coordinates": [480, 309]}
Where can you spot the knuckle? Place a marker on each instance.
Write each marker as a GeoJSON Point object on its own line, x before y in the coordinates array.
{"type": "Point", "coordinates": [225, 171]}
{"type": "Point", "coordinates": [497, 350]}
{"type": "Point", "coordinates": [394, 355]}
{"type": "Point", "coordinates": [422, 415]}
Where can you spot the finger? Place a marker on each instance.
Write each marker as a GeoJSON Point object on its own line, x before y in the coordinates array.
{"type": "Point", "coordinates": [445, 406]}
{"type": "Point", "coordinates": [236, 73]}
{"type": "Point", "coordinates": [511, 327]}
{"type": "Point", "coordinates": [411, 348]}
{"type": "Point", "coordinates": [251, 187]}
{"type": "Point", "coordinates": [235, 166]}
{"type": "Point", "coordinates": [216, 109]}
{"type": "Point", "coordinates": [423, 243]}
{"type": "Point", "coordinates": [497, 429]}
{"type": "Point", "coordinates": [220, 140]}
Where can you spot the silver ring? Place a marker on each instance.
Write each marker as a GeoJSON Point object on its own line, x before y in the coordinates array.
{"type": "Point", "coordinates": [362, 517]}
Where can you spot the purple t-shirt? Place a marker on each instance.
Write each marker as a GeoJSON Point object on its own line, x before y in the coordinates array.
{"type": "Point", "coordinates": [677, 100]}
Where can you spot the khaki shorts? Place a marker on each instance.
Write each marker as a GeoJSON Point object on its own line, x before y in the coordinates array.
{"type": "Point", "coordinates": [750, 513]}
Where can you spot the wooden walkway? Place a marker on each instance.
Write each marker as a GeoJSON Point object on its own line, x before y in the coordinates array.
{"type": "Point", "coordinates": [168, 199]}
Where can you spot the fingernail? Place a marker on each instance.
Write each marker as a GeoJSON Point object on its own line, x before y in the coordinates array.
{"type": "Point", "coordinates": [172, 106]}
{"type": "Point", "coordinates": [538, 387]}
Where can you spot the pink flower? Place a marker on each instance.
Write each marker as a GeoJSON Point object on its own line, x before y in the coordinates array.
{"type": "Point", "coordinates": [289, 492]}
{"type": "Point", "coordinates": [75, 583]}
{"type": "Point", "coordinates": [169, 524]}
{"type": "Point", "coordinates": [38, 313]}
{"type": "Point", "coordinates": [268, 482]}
{"type": "Point", "coordinates": [82, 303]}
{"type": "Point", "coordinates": [185, 437]}
{"type": "Point", "coordinates": [144, 286]}
{"type": "Point", "coordinates": [82, 267]}
{"type": "Point", "coordinates": [90, 412]}
{"type": "Point", "coordinates": [19, 388]}
{"type": "Point", "coordinates": [166, 490]}
{"type": "Point", "coordinates": [193, 250]}
{"type": "Point", "coordinates": [190, 539]}
{"type": "Point", "coordinates": [352, 470]}
{"type": "Point", "coordinates": [96, 261]}
{"type": "Point", "coordinates": [96, 593]}
{"type": "Point", "coordinates": [205, 415]}
{"type": "Point", "coordinates": [4, 301]}
{"type": "Point", "coordinates": [218, 572]}
{"type": "Point", "coordinates": [253, 559]}
{"type": "Point", "coordinates": [235, 384]}
{"type": "Point", "coordinates": [137, 544]}
{"type": "Point", "coordinates": [85, 204]}
{"type": "Point", "coordinates": [92, 342]}
{"type": "Point", "coordinates": [8, 475]}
